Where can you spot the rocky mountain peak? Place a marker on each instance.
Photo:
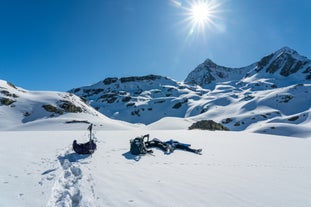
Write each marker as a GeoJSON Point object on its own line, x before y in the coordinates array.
{"type": "Point", "coordinates": [280, 64]}
{"type": "Point", "coordinates": [286, 50]}
{"type": "Point", "coordinates": [285, 62]}
{"type": "Point", "coordinates": [209, 63]}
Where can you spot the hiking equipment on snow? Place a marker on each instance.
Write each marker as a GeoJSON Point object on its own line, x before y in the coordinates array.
{"type": "Point", "coordinates": [183, 146]}
{"type": "Point", "coordinates": [85, 148]}
{"type": "Point", "coordinates": [169, 146]}
{"type": "Point", "coordinates": [155, 142]}
{"type": "Point", "coordinates": [138, 146]}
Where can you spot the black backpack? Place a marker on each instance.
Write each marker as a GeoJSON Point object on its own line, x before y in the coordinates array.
{"type": "Point", "coordinates": [138, 146]}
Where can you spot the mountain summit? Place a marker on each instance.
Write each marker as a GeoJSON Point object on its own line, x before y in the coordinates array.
{"type": "Point", "coordinates": [285, 65]}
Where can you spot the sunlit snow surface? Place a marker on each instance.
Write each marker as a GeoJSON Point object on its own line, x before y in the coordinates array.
{"type": "Point", "coordinates": [38, 168]}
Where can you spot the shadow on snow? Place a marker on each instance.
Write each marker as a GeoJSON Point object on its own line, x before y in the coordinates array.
{"type": "Point", "coordinates": [72, 157]}
{"type": "Point", "coordinates": [128, 155]}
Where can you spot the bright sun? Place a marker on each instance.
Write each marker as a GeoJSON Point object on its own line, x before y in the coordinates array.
{"type": "Point", "coordinates": [202, 14]}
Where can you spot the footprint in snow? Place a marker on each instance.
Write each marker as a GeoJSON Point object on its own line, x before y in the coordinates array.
{"type": "Point", "coordinates": [66, 190]}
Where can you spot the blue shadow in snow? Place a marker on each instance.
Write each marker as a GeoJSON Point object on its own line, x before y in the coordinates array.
{"type": "Point", "coordinates": [49, 171]}
{"type": "Point", "coordinates": [72, 157]}
{"type": "Point", "coordinates": [128, 155]}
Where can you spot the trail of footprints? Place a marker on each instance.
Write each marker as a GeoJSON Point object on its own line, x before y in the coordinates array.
{"type": "Point", "coordinates": [66, 191]}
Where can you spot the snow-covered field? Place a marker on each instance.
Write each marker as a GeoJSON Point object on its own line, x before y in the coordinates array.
{"type": "Point", "coordinates": [38, 168]}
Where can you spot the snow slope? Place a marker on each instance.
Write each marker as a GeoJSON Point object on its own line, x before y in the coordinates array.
{"type": "Point", "coordinates": [38, 168]}
{"type": "Point", "coordinates": [21, 109]}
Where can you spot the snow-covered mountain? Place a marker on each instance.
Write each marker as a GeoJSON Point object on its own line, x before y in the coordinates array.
{"type": "Point", "coordinates": [22, 109]}
{"type": "Point", "coordinates": [272, 95]}
{"type": "Point", "coordinates": [266, 96]}
{"type": "Point", "coordinates": [283, 68]}
{"type": "Point", "coordinates": [143, 99]}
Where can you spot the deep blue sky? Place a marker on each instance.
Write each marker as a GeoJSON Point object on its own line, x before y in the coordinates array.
{"type": "Point", "coordinates": [62, 44]}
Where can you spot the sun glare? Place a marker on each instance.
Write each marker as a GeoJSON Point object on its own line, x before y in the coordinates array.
{"type": "Point", "coordinates": [202, 14]}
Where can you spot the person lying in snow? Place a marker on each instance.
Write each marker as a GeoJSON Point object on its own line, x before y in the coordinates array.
{"type": "Point", "coordinates": [169, 146]}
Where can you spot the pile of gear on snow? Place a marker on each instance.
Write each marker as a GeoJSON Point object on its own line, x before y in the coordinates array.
{"type": "Point", "coordinates": [141, 145]}
{"type": "Point", "coordinates": [85, 148]}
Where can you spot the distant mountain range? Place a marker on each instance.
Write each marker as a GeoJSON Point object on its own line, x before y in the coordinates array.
{"type": "Point", "coordinates": [268, 96]}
